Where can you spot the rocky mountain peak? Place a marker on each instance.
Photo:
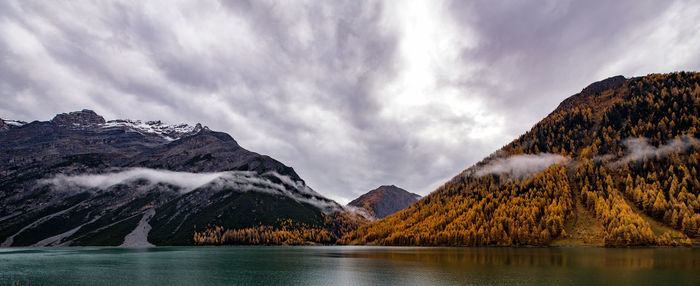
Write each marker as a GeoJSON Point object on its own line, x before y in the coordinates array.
{"type": "Point", "coordinates": [89, 120]}
{"type": "Point", "coordinates": [84, 117]}
{"type": "Point", "coordinates": [385, 200]}
{"type": "Point", "coordinates": [387, 187]}
{"type": "Point", "coordinates": [169, 132]}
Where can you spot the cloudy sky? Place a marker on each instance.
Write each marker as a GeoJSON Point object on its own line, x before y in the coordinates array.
{"type": "Point", "coordinates": [352, 94]}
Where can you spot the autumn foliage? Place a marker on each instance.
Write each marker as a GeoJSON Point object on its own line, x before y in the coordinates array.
{"type": "Point", "coordinates": [284, 232]}
{"type": "Point", "coordinates": [625, 194]}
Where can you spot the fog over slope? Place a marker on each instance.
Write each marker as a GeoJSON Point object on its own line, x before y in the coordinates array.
{"type": "Point", "coordinates": [242, 181]}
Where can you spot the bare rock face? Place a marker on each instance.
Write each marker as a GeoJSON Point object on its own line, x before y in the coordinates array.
{"type": "Point", "coordinates": [81, 180]}
{"type": "Point", "coordinates": [83, 118]}
{"type": "Point", "coordinates": [385, 200]}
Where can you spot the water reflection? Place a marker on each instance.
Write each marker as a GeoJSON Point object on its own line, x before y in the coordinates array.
{"type": "Point", "coordinates": [349, 266]}
{"type": "Point", "coordinates": [625, 258]}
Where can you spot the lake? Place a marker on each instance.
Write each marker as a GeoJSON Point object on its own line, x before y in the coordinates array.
{"type": "Point", "coordinates": [345, 265]}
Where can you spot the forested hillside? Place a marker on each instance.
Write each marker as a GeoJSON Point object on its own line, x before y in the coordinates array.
{"type": "Point", "coordinates": [614, 165]}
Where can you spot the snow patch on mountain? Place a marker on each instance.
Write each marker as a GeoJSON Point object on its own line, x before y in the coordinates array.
{"type": "Point", "coordinates": [17, 123]}
{"type": "Point", "coordinates": [169, 132]}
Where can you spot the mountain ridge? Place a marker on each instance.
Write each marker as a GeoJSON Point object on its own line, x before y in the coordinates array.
{"type": "Point", "coordinates": [79, 179]}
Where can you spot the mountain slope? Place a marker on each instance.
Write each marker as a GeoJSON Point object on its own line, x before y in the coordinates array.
{"type": "Point", "coordinates": [615, 164]}
{"type": "Point", "coordinates": [81, 180]}
{"type": "Point", "coordinates": [384, 201]}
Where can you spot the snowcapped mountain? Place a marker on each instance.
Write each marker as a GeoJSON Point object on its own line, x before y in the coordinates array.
{"type": "Point", "coordinates": [167, 131]}
{"type": "Point", "coordinates": [81, 180]}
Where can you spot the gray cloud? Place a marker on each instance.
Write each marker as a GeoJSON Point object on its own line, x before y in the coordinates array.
{"type": "Point", "coordinates": [521, 165]}
{"type": "Point", "coordinates": [352, 94]}
{"type": "Point", "coordinates": [639, 148]}
{"type": "Point", "coordinates": [532, 56]}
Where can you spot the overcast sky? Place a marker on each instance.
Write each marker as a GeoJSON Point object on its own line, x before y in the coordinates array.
{"type": "Point", "coordinates": [352, 94]}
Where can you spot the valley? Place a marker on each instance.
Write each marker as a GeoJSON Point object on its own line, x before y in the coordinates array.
{"type": "Point", "coordinates": [614, 165]}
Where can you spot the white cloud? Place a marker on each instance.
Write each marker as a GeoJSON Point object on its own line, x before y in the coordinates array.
{"type": "Point", "coordinates": [667, 43]}
{"type": "Point", "coordinates": [521, 165]}
{"type": "Point", "coordinates": [429, 72]}
{"type": "Point", "coordinates": [639, 148]}
{"type": "Point", "coordinates": [185, 180]}
{"type": "Point", "coordinates": [244, 181]}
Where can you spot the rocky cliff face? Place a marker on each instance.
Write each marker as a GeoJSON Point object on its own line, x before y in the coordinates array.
{"type": "Point", "coordinates": [78, 119]}
{"type": "Point", "coordinates": [83, 141]}
{"type": "Point", "coordinates": [384, 201]}
{"type": "Point", "coordinates": [81, 180]}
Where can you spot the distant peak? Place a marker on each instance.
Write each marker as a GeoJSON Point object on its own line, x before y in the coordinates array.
{"type": "Point", "coordinates": [384, 200]}
{"type": "Point", "coordinates": [79, 118]}
{"type": "Point", "coordinates": [392, 188]}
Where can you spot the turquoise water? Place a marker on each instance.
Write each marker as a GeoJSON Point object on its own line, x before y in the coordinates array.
{"type": "Point", "coordinates": [341, 265]}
